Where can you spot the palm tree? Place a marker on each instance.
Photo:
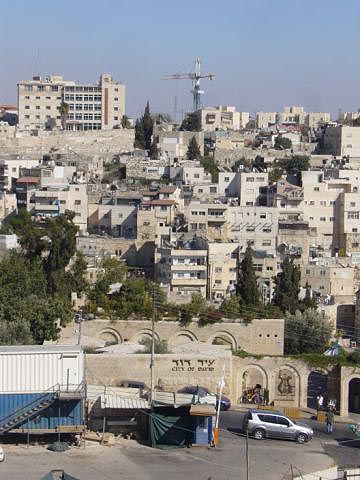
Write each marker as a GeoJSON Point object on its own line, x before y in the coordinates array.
{"type": "Point", "coordinates": [63, 110]}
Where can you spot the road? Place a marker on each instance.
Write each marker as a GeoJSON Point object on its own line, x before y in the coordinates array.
{"type": "Point", "coordinates": [269, 459]}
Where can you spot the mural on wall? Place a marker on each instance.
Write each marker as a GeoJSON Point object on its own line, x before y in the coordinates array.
{"type": "Point", "coordinates": [286, 383]}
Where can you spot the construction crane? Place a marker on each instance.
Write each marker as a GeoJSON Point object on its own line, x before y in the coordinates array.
{"type": "Point", "coordinates": [195, 77]}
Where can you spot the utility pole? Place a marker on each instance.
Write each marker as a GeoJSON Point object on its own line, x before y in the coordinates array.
{"type": "Point", "coordinates": [152, 347]}
{"type": "Point", "coordinates": [247, 453]}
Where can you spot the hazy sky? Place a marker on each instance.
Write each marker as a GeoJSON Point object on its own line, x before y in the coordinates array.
{"type": "Point", "coordinates": [265, 53]}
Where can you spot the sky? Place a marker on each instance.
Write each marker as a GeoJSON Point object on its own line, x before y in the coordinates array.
{"type": "Point", "coordinates": [265, 54]}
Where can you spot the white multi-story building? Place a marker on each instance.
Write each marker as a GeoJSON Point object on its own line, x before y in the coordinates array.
{"type": "Point", "coordinates": [90, 107]}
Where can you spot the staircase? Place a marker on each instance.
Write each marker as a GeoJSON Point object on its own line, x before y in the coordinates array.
{"type": "Point", "coordinates": [27, 411]}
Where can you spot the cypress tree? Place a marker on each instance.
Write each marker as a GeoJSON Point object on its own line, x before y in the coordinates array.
{"type": "Point", "coordinates": [247, 287]}
{"type": "Point", "coordinates": [144, 130]}
{"type": "Point", "coordinates": [193, 151]}
{"type": "Point", "coordinates": [287, 287]}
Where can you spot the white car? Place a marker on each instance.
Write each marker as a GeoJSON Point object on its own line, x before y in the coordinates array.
{"type": "Point", "coordinates": [2, 454]}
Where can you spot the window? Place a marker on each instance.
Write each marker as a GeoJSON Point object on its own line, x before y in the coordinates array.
{"type": "Point", "coordinates": [269, 269]}
{"type": "Point", "coordinates": [116, 118]}
{"type": "Point", "coordinates": [116, 99]}
{"type": "Point", "coordinates": [218, 282]}
{"type": "Point", "coordinates": [116, 109]}
{"type": "Point", "coordinates": [268, 418]}
{"type": "Point", "coordinates": [212, 189]}
{"type": "Point", "coordinates": [41, 88]}
{"type": "Point", "coordinates": [262, 215]}
{"type": "Point", "coordinates": [322, 273]}
{"type": "Point", "coordinates": [323, 203]}
{"type": "Point", "coordinates": [312, 202]}
{"type": "Point", "coordinates": [352, 204]}
{"type": "Point", "coordinates": [145, 224]}
{"type": "Point", "coordinates": [163, 208]}
{"type": "Point", "coordinates": [218, 269]}
{"type": "Point", "coordinates": [316, 189]}
{"type": "Point", "coordinates": [354, 230]}
{"type": "Point", "coordinates": [77, 202]}
{"type": "Point", "coordinates": [250, 179]}
{"type": "Point", "coordinates": [196, 175]}
{"type": "Point", "coordinates": [307, 272]}
{"type": "Point", "coordinates": [353, 215]}
{"type": "Point", "coordinates": [227, 179]}
{"type": "Point", "coordinates": [266, 243]}
{"type": "Point", "coordinates": [282, 421]}
{"type": "Point", "coordinates": [27, 107]}
{"type": "Point", "coordinates": [48, 107]}
{"type": "Point", "coordinates": [28, 88]}
{"type": "Point", "coordinates": [54, 88]}
{"type": "Point", "coordinates": [37, 107]}
{"type": "Point", "coordinates": [322, 219]}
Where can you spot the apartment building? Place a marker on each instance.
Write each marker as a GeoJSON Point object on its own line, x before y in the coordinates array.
{"type": "Point", "coordinates": [7, 204]}
{"type": "Point", "coordinates": [265, 119]}
{"type": "Point", "coordinates": [115, 215]}
{"type": "Point", "coordinates": [222, 270]}
{"type": "Point", "coordinates": [182, 269]}
{"type": "Point", "coordinates": [54, 201]}
{"type": "Point", "coordinates": [174, 144]}
{"type": "Point", "coordinates": [331, 279]}
{"type": "Point", "coordinates": [342, 140]}
{"type": "Point", "coordinates": [349, 223]}
{"type": "Point", "coordinates": [189, 173]}
{"type": "Point", "coordinates": [249, 187]}
{"type": "Point", "coordinates": [90, 107]}
{"type": "Point", "coordinates": [10, 166]}
{"type": "Point", "coordinates": [222, 117]}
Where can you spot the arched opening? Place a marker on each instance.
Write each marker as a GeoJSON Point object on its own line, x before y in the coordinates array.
{"type": "Point", "coordinates": [317, 383]}
{"type": "Point", "coordinates": [182, 338]}
{"type": "Point", "coordinates": [110, 337]}
{"type": "Point", "coordinates": [223, 338]}
{"type": "Point", "coordinates": [144, 335]}
{"type": "Point", "coordinates": [254, 386]}
{"type": "Point", "coordinates": [354, 395]}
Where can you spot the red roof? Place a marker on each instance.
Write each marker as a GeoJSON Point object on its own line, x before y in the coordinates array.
{"type": "Point", "coordinates": [28, 180]}
{"type": "Point", "coordinates": [5, 106]}
{"type": "Point", "coordinates": [149, 193]}
{"type": "Point", "coordinates": [158, 202]}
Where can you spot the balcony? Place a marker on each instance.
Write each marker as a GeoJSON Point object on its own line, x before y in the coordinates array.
{"type": "Point", "coordinates": [189, 282]}
{"type": "Point", "coordinates": [180, 267]}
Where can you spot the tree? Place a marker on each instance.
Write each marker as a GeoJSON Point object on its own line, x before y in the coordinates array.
{"type": "Point", "coordinates": [231, 307]}
{"type": "Point", "coordinates": [191, 123]}
{"type": "Point", "coordinates": [247, 287]}
{"type": "Point", "coordinates": [64, 112]}
{"type": "Point", "coordinates": [275, 174]}
{"type": "Point", "coordinates": [295, 164]}
{"type": "Point", "coordinates": [125, 122]}
{"type": "Point", "coordinates": [282, 143]}
{"type": "Point", "coordinates": [139, 135]}
{"type": "Point", "coordinates": [144, 130]}
{"type": "Point", "coordinates": [160, 346]}
{"type": "Point", "coordinates": [193, 151]}
{"type": "Point", "coordinates": [287, 287]}
{"type": "Point", "coordinates": [308, 301]}
{"type": "Point", "coordinates": [306, 332]}
{"type": "Point", "coordinates": [210, 166]}
{"type": "Point", "coordinates": [154, 151]}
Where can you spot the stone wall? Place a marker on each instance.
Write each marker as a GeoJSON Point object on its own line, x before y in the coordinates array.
{"type": "Point", "coordinates": [262, 336]}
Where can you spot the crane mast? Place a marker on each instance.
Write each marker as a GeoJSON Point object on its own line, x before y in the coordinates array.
{"type": "Point", "coordinates": [195, 77]}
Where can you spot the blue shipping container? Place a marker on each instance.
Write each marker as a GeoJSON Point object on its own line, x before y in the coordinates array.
{"type": "Point", "coordinates": [61, 412]}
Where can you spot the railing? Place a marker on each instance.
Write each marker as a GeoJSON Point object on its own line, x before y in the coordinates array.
{"type": "Point", "coordinates": [55, 390]}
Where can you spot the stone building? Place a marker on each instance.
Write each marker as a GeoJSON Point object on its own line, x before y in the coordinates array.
{"type": "Point", "coordinates": [91, 107]}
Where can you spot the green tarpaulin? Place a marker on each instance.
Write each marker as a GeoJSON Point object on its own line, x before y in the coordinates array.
{"type": "Point", "coordinates": [171, 428]}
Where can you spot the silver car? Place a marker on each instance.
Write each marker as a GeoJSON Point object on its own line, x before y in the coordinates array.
{"type": "Point", "coordinates": [265, 423]}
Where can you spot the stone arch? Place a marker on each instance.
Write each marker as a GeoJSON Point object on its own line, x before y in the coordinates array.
{"type": "Point", "coordinates": [142, 334]}
{"type": "Point", "coordinates": [111, 336]}
{"type": "Point", "coordinates": [317, 382]}
{"type": "Point", "coordinates": [183, 336]}
{"type": "Point", "coordinates": [248, 377]}
{"type": "Point", "coordinates": [224, 338]}
{"type": "Point", "coordinates": [287, 384]}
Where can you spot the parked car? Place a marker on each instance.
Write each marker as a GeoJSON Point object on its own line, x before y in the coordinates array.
{"type": "Point", "coordinates": [268, 424]}
{"type": "Point", "coordinates": [2, 454]}
{"type": "Point", "coordinates": [225, 402]}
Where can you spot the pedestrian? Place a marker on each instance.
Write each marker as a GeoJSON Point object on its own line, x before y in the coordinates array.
{"type": "Point", "coordinates": [330, 420]}
{"type": "Point", "coordinates": [320, 401]}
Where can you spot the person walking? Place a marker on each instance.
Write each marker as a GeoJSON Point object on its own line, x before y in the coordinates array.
{"type": "Point", "coordinates": [320, 401]}
{"type": "Point", "coordinates": [330, 420]}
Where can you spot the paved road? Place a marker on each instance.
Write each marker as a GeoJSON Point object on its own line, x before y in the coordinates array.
{"type": "Point", "coordinates": [269, 459]}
